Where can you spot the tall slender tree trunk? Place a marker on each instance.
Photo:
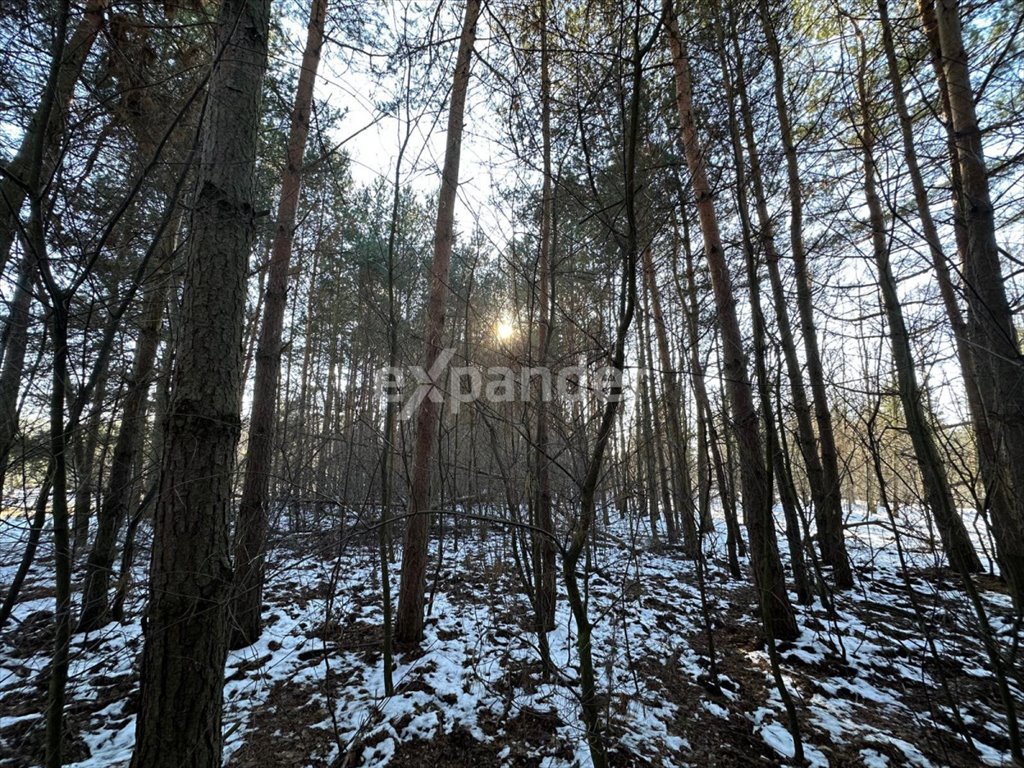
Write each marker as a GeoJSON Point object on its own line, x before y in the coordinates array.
{"type": "Point", "coordinates": [998, 362]}
{"type": "Point", "coordinates": [703, 468]}
{"type": "Point", "coordinates": [680, 474]}
{"type": "Point", "coordinates": [776, 610]}
{"type": "Point", "coordinates": [645, 431]}
{"type": "Point", "coordinates": [61, 534]}
{"type": "Point", "coordinates": [162, 390]}
{"type": "Point", "coordinates": [179, 720]}
{"type": "Point", "coordinates": [120, 491]}
{"type": "Point", "coordinates": [388, 448]}
{"type": "Point", "coordinates": [662, 459]}
{"type": "Point", "coordinates": [544, 536]}
{"type": "Point", "coordinates": [735, 547]}
{"type": "Point", "coordinates": [253, 512]}
{"type": "Point", "coordinates": [987, 454]}
{"type": "Point", "coordinates": [931, 33]}
{"type": "Point", "coordinates": [806, 440]}
{"type": "Point", "coordinates": [85, 464]}
{"type": "Point", "coordinates": [929, 230]}
{"type": "Point", "coordinates": [775, 461]}
{"type": "Point", "coordinates": [952, 531]}
{"type": "Point", "coordinates": [412, 587]}
{"type": "Point", "coordinates": [828, 507]}
{"type": "Point", "coordinates": [299, 475]}
{"type": "Point", "coordinates": [584, 526]}
{"type": "Point", "coordinates": [60, 300]}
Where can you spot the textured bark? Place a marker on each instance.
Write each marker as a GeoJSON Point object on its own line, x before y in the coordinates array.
{"type": "Point", "coordinates": [253, 510]}
{"type": "Point", "coordinates": [680, 475]}
{"type": "Point", "coordinates": [828, 507]}
{"type": "Point", "coordinates": [757, 503]}
{"type": "Point", "coordinates": [179, 720]}
{"type": "Point", "coordinates": [58, 672]}
{"type": "Point", "coordinates": [121, 484]}
{"type": "Point", "coordinates": [998, 362]}
{"type": "Point", "coordinates": [44, 129]}
{"type": "Point", "coordinates": [409, 620]}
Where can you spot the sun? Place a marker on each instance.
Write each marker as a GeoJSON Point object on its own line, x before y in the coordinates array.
{"type": "Point", "coordinates": [504, 330]}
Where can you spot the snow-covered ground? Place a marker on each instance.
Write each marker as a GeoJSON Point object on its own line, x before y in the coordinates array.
{"type": "Point", "coordinates": [868, 687]}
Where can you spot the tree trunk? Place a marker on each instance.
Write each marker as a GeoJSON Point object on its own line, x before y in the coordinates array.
{"type": "Point", "coordinates": [703, 468]}
{"type": "Point", "coordinates": [59, 513]}
{"type": "Point", "coordinates": [988, 458]}
{"type": "Point", "coordinates": [60, 300]}
{"type": "Point", "coordinates": [646, 433]}
{"type": "Point", "coordinates": [85, 464]}
{"type": "Point", "coordinates": [801, 408]}
{"type": "Point", "coordinates": [162, 390]}
{"type": "Point", "coordinates": [998, 363]}
{"type": "Point", "coordinates": [544, 536]}
{"type": "Point", "coordinates": [768, 574]}
{"type": "Point", "coordinates": [735, 547]}
{"type": "Point", "coordinates": [775, 461]}
{"type": "Point", "coordinates": [931, 33]}
{"type": "Point", "coordinates": [182, 677]}
{"type": "Point", "coordinates": [412, 587]}
{"type": "Point", "coordinates": [251, 531]}
{"type": "Point", "coordinates": [584, 526]}
{"type": "Point", "coordinates": [664, 482]}
{"type": "Point", "coordinates": [120, 491]}
{"type": "Point", "coordinates": [828, 507]}
{"type": "Point", "coordinates": [951, 527]}
{"type": "Point", "coordinates": [680, 474]}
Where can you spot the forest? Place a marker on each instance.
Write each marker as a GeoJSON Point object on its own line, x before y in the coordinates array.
{"type": "Point", "coordinates": [513, 383]}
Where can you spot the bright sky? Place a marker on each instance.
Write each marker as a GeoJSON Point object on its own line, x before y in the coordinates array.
{"type": "Point", "coordinates": [373, 139]}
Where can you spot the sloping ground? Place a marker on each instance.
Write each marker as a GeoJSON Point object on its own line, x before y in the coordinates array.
{"type": "Point", "coordinates": [310, 692]}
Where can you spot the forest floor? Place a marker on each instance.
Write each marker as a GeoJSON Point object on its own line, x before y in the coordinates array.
{"type": "Point", "coordinates": [868, 687]}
